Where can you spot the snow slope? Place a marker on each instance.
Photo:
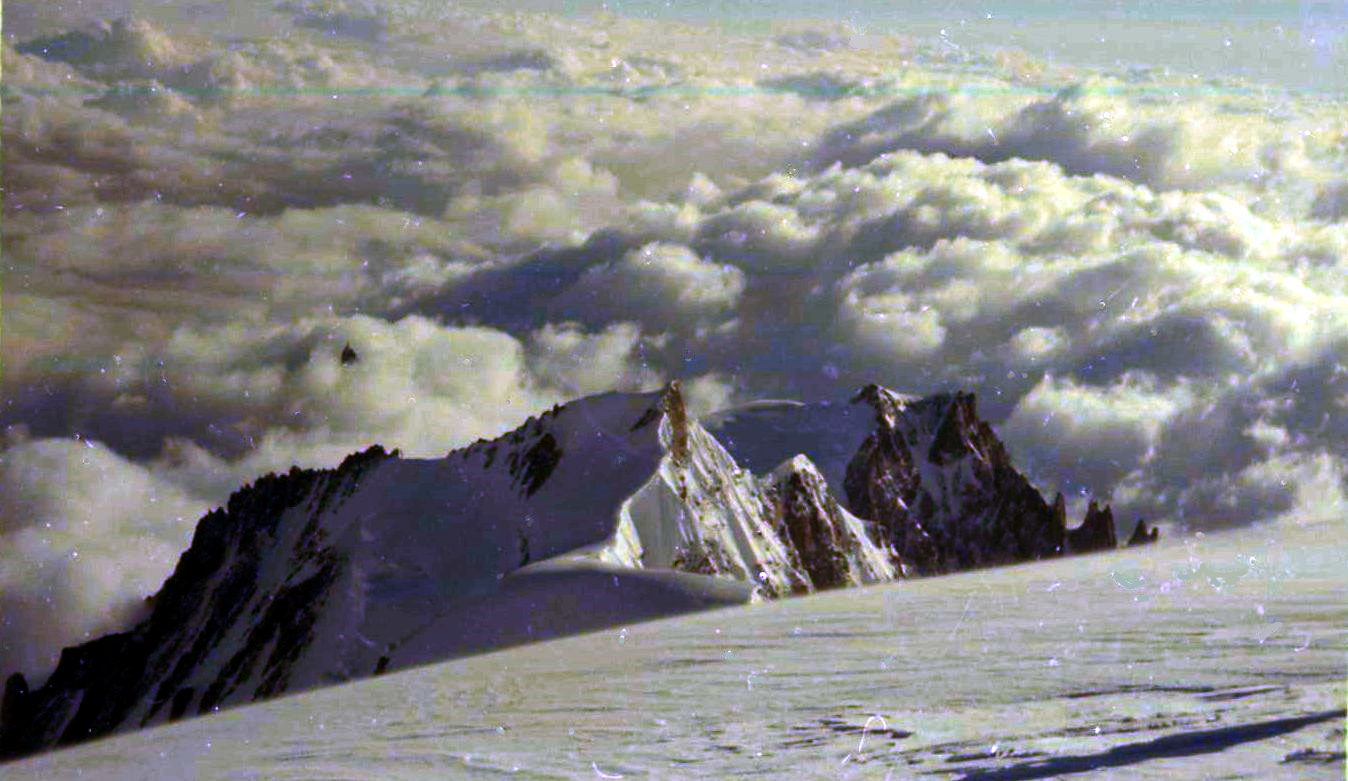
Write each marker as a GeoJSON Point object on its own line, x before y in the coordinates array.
{"type": "Point", "coordinates": [318, 577]}
{"type": "Point", "coordinates": [1214, 657]}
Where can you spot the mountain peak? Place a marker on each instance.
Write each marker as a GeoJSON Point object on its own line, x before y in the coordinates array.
{"type": "Point", "coordinates": [930, 474]}
{"type": "Point", "coordinates": [834, 547]}
{"type": "Point", "coordinates": [1143, 535]}
{"type": "Point", "coordinates": [315, 576]}
{"type": "Point", "coordinates": [675, 410]}
{"type": "Point", "coordinates": [887, 404]}
{"type": "Point", "coordinates": [1096, 532]}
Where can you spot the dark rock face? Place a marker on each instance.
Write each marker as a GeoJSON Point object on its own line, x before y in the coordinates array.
{"type": "Point", "coordinates": [1143, 535]}
{"type": "Point", "coordinates": [942, 489]}
{"type": "Point", "coordinates": [712, 559]}
{"type": "Point", "coordinates": [882, 485]}
{"type": "Point", "coordinates": [536, 464]}
{"type": "Point", "coordinates": [1095, 533]}
{"type": "Point", "coordinates": [140, 676]}
{"type": "Point", "coordinates": [809, 518]}
{"type": "Point", "coordinates": [14, 706]}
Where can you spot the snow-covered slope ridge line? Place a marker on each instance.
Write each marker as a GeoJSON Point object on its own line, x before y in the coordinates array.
{"type": "Point", "coordinates": [701, 513]}
{"type": "Point", "coordinates": [314, 577]}
{"type": "Point", "coordinates": [321, 576]}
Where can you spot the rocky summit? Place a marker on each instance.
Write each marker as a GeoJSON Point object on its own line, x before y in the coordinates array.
{"type": "Point", "coordinates": [606, 510]}
{"type": "Point", "coordinates": [928, 473]}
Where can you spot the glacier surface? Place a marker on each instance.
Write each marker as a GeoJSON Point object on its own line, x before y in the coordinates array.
{"type": "Point", "coordinates": [1211, 656]}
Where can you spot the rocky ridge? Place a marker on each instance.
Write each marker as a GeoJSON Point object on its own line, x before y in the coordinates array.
{"type": "Point", "coordinates": [319, 576]}
{"type": "Point", "coordinates": [942, 489]}
{"type": "Point", "coordinates": [928, 473]}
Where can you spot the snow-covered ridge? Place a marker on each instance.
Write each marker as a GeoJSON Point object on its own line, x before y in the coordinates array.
{"type": "Point", "coordinates": [608, 509]}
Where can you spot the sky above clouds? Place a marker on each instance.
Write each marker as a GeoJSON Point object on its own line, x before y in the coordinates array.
{"type": "Point", "coordinates": [1140, 275]}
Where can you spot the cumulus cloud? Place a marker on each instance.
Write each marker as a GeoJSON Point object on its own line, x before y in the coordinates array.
{"type": "Point", "coordinates": [364, 21]}
{"type": "Point", "coordinates": [664, 285]}
{"type": "Point", "coordinates": [1057, 297]}
{"type": "Point", "coordinates": [143, 270]}
{"type": "Point", "coordinates": [569, 201]}
{"type": "Point", "coordinates": [84, 536]}
{"type": "Point", "coordinates": [1206, 454]}
{"type": "Point", "coordinates": [1086, 436]}
{"type": "Point", "coordinates": [414, 383]}
{"type": "Point", "coordinates": [122, 48]}
{"type": "Point", "coordinates": [1086, 129]}
{"type": "Point", "coordinates": [816, 39]}
{"type": "Point", "coordinates": [579, 363]}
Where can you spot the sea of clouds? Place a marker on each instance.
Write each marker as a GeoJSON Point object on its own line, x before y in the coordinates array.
{"type": "Point", "coordinates": [1143, 278]}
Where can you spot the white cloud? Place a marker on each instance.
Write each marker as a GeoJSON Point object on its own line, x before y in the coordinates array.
{"type": "Point", "coordinates": [1090, 438]}
{"type": "Point", "coordinates": [666, 286]}
{"type": "Point", "coordinates": [577, 363]}
{"type": "Point", "coordinates": [84, 536]}
{"type": "Point", "coordinates": [1190, 142]}
{"type": "Point", "coordinates": [418, 385]}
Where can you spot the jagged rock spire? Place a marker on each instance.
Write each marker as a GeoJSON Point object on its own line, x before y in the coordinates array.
{"type": "Point", "coordinates": [832, 546]}
{"type": "Point", "coordinates": [1143, 535]}
{"type": "Point", "coordinates": [1096, 532]}
{"type": "Point", "coordinates": [676, 413]}
{"type": "Point", "coordinates": [940, 485]}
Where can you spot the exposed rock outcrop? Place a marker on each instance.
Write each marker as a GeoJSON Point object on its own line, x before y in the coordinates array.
{"type": "Point", "coordinates": [1143, 535]}
{"type": "Point", "coordinates": [932, 477]}
{"type": "Point", "coordinates": [319, 576]}
{"type": "Point", "coordinates": [834, 547]}
{"type": "Point", "coordinates": [218, 613]}
{"type": "Point", "coordinates": [940, 486]}
{"type": "Point", "coordinates": [882, 486]}
{"type": "Point", "coordinates": [1095, 533]}
{"type": "Point", "coordinates": [700, 513]}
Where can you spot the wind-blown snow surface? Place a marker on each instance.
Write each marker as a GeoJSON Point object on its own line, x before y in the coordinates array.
{"type": "Point", "coordinates": [1220, 656]}
{"type": "Point", "coordinates": [1140, 273]}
